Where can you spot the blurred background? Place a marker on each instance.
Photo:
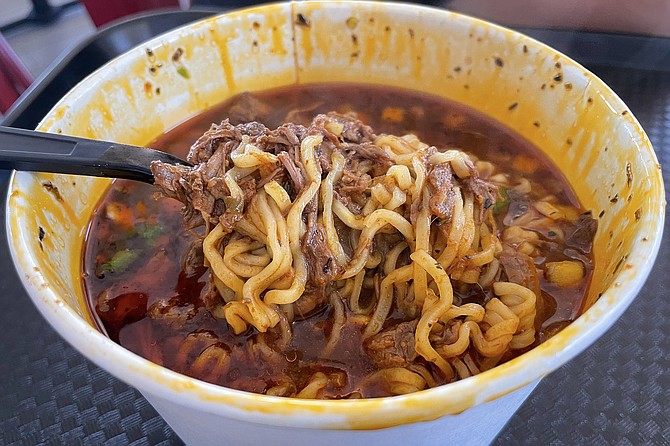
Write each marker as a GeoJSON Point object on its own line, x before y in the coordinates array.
{"type": "Point", "coordinates": [35, 33]}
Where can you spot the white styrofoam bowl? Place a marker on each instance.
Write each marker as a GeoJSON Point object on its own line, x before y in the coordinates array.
{"type": "Point", "coordinates": [569, 113]}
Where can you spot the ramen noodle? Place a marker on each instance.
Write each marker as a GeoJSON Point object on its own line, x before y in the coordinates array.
{"type": "Point", "coordinates": [323, 258]}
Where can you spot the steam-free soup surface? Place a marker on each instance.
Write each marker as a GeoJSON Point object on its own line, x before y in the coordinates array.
{"type": "Point", "coordinates": [149, 288]}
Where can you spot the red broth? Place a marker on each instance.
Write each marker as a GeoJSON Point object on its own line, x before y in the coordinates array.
{"type": "Point", "coordinates": [147, 300]}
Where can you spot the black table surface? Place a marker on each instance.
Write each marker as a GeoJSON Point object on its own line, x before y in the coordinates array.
{"type": "Point", "coordinates": [616, 392]}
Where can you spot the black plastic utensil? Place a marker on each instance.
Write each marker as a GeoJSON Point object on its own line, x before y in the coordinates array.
{"type": "Point", "coordinates": [47, 152]}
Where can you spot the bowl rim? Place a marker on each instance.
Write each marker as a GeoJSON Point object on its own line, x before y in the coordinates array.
{"type": "Point", "coordinates": [377, 413]}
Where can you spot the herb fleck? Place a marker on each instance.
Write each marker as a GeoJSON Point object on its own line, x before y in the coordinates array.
{"type": "Point", "coordinates": [177, 54]}
{"type": "Point", "coordinates": [502, 202]}
{"type": "Point", "coordinates": [119, 261]}
{"type": "Point", "coordinates": [183, 72]}
{"type": "Point", "coordinates": [53, 190]}
{"type": "Point", "coordinates": [40, 237]}
{"type": "Point", "coordinates": [302, 20]}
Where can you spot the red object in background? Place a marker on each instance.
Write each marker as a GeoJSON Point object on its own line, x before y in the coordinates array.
{"type": "Point", "coordinates": [14, 76]}
{"type": "Point", "coordinates": [105, 11]}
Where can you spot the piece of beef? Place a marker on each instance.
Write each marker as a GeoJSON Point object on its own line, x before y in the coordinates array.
{"type": "Point", "coordinates": [248, 108]}
{"type": "Point", "coordinates": [485, 193]}
{"type": "Point", "coordinates": [202, 188]}
{"type": "Point", "coordinates": [393, 346]}
{"type": "Point", "coordinates": [353, 180]}
{"type": "Point", "coordinates": [367, 150]}
{"type": "Point", "coordinates": [442, 198]}
{"type": "Point", "coordinates": [167, 178]}
{"type": "Point", "coordinates": [520, 269]}
{"type": "Point", "coordinates": [194, 259]}
{"type": "Point", "coordinates": [354, 130]}
{"type": "Point", "coordinates": [286, 136]}
{"type": "Point", "coordinates": [294, 172]}
{"type": "Point", "coordinates": [172, 311]}
{"type": "Point", "coordinates": [275, 175]}
{"type": "Point", "coordinates": [442, 335]}
{"type": "Point", "coordinates": [312, 299]}
{"type": "Point", "coordinates": [321, 263]}
{"type": "Point", "coordinates": [223, 137]}
{"type": "Point", "coordinates": [519, 204]}
{"type": "Point", "coordinates": [580, 233]}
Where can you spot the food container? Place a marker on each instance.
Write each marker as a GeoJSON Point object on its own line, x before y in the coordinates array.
{"type": "Point", "coordinates": [571, 115]}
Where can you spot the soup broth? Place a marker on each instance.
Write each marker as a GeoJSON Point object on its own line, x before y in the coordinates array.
{"type": "Point", "coordinates": [148, 287]}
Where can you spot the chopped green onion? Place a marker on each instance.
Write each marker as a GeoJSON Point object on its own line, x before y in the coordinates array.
{"type": "Point", "coordinates": [120, 261]}
{"type": "Point", "coordinates": [150, 232]}
{"type": "Point", "coordinates": [501, 204]}
{"type": "Point", "coordinates": [183, 72]}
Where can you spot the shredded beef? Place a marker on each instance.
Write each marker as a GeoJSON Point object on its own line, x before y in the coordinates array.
{"type": "Point", "coordinates": [323, 268]}
{"type": "Point", "coordinates": [275, 175]}
{"type": "Point", "coordinates": [482, 190]}
{"type": "Point", "coordinates": [369, 151]}
{"type": "Point", "coordinates": [443, 335]}
{"type": "Point", "coordinates": [518, 206]}
{"type": "Point", "coordinates": [394, 346]}
{"type": "Point", "coordinates": [193, 259]}
{"type": "Point", "coordinates": [294, 172]}
{"type": "Point", "coordinates": [520, 269]}
{"type": "Point", "coordinates": [443, 180]}
{"type": "Point", "coordinates": [580, 234]}
{"type": "Point", "coordinates": [442, 199]}
{"type": "Point", "coordinates": [312, 298]}
{"type": "Point", "coordinates": [247, 108]}
{"type": "Point", "coordinates": [207, 199]}
{"type": "Point", "coordinates": [354, 130]}
{"type": "Point", "coordinates": [223, 137]}
{"type": "Point", "coordinates": [171, 310]}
